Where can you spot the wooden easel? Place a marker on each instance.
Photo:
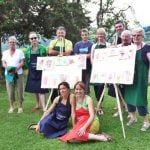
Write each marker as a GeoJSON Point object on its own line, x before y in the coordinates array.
{"type": "Point", "coordinates": [118, 93]}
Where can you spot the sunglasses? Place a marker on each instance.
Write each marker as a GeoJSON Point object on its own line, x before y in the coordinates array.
{"type": "Point", "coordinates": [136, 35]}
{"type": "Point", "coordinates": [33, 38]}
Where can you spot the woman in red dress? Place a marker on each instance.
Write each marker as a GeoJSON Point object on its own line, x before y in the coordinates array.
{"type": "Point", "coordinates": [85, 116]}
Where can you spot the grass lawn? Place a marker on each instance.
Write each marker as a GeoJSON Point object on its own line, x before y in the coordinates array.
{"type": "Point", "coordinates": [14, 134]}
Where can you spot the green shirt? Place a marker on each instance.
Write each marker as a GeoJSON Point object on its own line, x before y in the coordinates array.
{"type": "Point", "coordinates": [40, 50]}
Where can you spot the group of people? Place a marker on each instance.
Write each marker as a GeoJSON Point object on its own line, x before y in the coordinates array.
{"type": "Point", "coordinates": [80, 106]}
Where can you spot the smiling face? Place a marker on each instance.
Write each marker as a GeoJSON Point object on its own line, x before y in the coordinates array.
{"type": "Point", "coordinates": [12, 43]}
{"type": "Point", "coordinates": [64, 91]}
{"type": "Point", "coordinates": [33, 38]}
{"type": "Point", "coordinates": [119, 27]}
{"type": "Point", "coordinates": [80, 90]}
{"type": "Point", "coordinates": [84, 36]}
{"type": "Point", "coordinates": [126, 39]}
{"type": "Point", "coordinates": [100, 36]}
{"type": "Point", "coordinates": [137, 37]}
{"type": "Point", "coordinates": [61, 33]}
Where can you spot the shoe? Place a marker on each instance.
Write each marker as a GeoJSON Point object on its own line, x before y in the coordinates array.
{"type": "Point", "coordinates": [11, 110]}
{"type": "Point", "coordinates": [34, 109]}
{"type": "Point", "coordinates": [115, 108]}
{"type": "Point", "coordinates": [116, 114]}
{"type": "Point", "coordinates": [32, 126]}
{"type": "Point", "coordinates": [128, 117]}
{"type": "Point", "coordinates": [145, 126]}
{"type": "Point", "coordinates": [100, 112]}
{"type": "Point", "coordinates": [20, 110]}
{"type": "Point", "coordinates": [131, 122]}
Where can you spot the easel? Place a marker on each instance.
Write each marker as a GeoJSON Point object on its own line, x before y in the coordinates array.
{"type": "Point", "coordinates": [118, 93]}
{"type": "Point", "coordinates": [49, 98]}
{"type": "Point", "coordinates": [60, 55]}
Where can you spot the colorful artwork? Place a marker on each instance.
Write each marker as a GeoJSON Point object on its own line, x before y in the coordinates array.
{"type": "Point", "coordinates": [48, 63]}
{"type": "Point", "coordinates": [61, 68]}
{"type": "Point", "coordinates": [114, 65]}
{"type": "Point", "coordinates": [51, 79]}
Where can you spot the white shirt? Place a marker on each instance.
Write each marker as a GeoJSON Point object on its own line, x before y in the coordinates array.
{"type": "Point", "coordinates": [13, 60]}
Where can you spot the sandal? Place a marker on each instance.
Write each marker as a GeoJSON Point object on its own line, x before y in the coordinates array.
{"type": "Point", "coordinates": [108, 137]}
{"type": "Point", "coordinates": [100, 111]}
{"type": "Point", "coordinates": [32, 126]}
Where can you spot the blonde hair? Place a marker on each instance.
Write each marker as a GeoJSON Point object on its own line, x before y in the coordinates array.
{"type": "Point", "coordinates": [139, 30]}
{"type": "Point", "coordinates": [101, 30]}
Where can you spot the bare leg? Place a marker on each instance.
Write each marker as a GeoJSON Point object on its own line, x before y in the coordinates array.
{"type": "Point", "coordinates": [11, 103]}
{"type": "Point", "coordinates": [43, 100]}
{"type": "Point", "coordinates": [37, 100]}
{"type": "Point", "coordinates": [99, 137]}
{"type": "Point", "coordinates": [20, 104]}
{"type": "Point", "coordinates": [132, 115]}
{"type": "Point", "coordinates": [145, 119]}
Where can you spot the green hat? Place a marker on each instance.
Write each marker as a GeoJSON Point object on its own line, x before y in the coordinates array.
{"type": "Point", "coordinates": [11, 69]}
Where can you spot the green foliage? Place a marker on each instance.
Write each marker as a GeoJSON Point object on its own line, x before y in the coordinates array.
{"type": "Point", "coordinates": [44, 16]}
{"type": "Point", "coordinates": [108, 14]}
{"type": "Point", "coordinates": [16, 136]}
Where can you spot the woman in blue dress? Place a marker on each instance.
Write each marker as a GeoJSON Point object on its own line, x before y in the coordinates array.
{"type": "Point", "coordinates": [54, 121]}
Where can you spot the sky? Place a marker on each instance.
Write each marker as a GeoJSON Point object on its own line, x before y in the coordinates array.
{"type": "Point", "coordinates": [141, 8]}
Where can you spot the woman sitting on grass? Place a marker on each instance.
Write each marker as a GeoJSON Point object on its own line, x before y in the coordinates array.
{"type": "Point", "coordinates": [54, 121]}
{"type": "Point", "coordinates": [85, 115]}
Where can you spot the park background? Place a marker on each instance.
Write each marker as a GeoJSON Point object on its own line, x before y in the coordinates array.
{"type": "Point", "coordinates": [19, 17]}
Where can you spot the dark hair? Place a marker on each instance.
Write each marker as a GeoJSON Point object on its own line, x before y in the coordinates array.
{"type": "Point", "coordinates": [81, 84]}
{"type": "Point", "coordinates": [84, 30]}
{"type": "Point", "coordinates": [61, 28]}
{"type": "Point", "coordinates": [119, 21]}
{"type": "Point", "coordinates": [66, 84]}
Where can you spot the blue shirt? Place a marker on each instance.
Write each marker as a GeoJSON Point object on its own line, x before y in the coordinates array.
{"type": "Point", "coordinates": [84, 48]}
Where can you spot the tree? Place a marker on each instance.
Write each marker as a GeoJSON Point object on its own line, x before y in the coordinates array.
{"type": "Point", "coordinates": [19, 17]}
{"type": "Point", "coordinates": [108, 14]}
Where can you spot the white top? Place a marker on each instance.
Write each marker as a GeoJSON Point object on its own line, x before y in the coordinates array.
{"type": "Point", "coordinates": [13, 60]}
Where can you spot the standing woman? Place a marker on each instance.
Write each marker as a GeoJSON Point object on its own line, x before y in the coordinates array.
{"type": "Point", "coordinates": [87, 124]}
{"type": "Point", "coordinates": [136, 94]}
{"type": "Point", "coordinates": [101, 43]}
{"type": "Point", "coordinates": [33, 84]}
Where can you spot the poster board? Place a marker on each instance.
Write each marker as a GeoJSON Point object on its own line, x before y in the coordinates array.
{"type": "Point", "coordinates": [56, 69]}
{"type": "Point", "coordinates": [49, 63]}
{"type": "Point", "coordinates": [114, 65]}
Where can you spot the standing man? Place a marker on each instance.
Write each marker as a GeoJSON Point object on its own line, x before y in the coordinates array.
{"type": "Point", "coordinates": [126, 40]}
{"type": "Point", "coordinates": [119, 27]}
{"type": "Point", "coordinates": [84, 47]}
{"type": "Point", "coordinates": [59, 46]}
{"type": "Point", "coordinates": [13, 61]}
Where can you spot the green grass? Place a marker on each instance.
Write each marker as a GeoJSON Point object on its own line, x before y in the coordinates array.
{"type": "Point", "coordinates": [14, 134]}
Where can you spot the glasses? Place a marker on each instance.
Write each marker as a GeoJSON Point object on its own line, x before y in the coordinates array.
{"type": "Point", "coordinates": [136, 35]}
{"type": "Point", "coordinates": [33, 38]}
{"type": "Point", "coordinates": [12, 42]}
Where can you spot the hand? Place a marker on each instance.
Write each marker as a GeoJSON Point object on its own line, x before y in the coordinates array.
{"type": "Point", "coordinates": [81, 131]}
